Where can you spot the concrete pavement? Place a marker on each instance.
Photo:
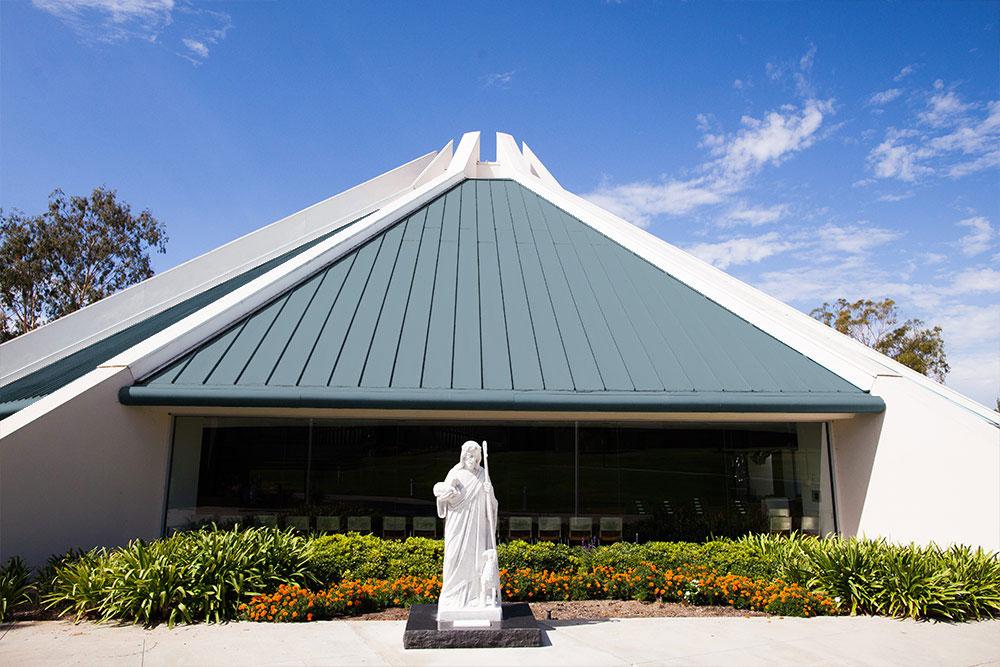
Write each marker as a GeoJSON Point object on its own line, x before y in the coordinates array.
{"type": "Point", "coordinates": [637, 641]}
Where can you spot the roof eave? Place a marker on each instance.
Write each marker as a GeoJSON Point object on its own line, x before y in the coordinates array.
{"type": "Point", "coordinates": [499, 399]}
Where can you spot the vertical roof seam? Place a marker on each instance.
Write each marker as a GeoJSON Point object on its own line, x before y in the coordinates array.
{"type": "Point", "coordinates": [576, 307]}
{"type": "Point", "coordinates": [190, 356]}
{"type": "Point", "coordinates": [600, 307]}
{"type": "Point", "coordinates": [385, 295]}
{"type": "Point", "coordinates": [458, 266]}
{"type": "Point", "coordinates": [361, 295]}
{"type": "Point", "coordinates": [708, 333]}
{"type": "Point", "coordinates": [658, 269]}
{"type": "Point", "coordinates": [503, 301]}
{"type": "Point", "coordinates": [668, 311]}
{"type": "Point", "coordinates": [722, 348]}
{"type": "Point", "coordinates": [527, 302]}
{"type": "Point", "coordinates": [291, 335]}
{"type": "Point", "coordinates": [333, 304]}
{"type": "Point", "coordinates": [645, 345]}
{"type": "Point", "coordinates": [548, 293]}
{"type": "Point", "coordinates": [479, 293]}
{"type": "Point", "coordinates": [246, 364]}
{"type": "Point", "coordinates": [656, 326]}
{"type": "Point", "coordinates": [430, 312]}
{"type": "Point", "coordinates": [218, 361]}
{"type": "Point", "coordinates": [409, 294]}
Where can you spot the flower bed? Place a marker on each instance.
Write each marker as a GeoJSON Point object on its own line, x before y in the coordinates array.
{"type": "Point", "coordinates": [646, 582]}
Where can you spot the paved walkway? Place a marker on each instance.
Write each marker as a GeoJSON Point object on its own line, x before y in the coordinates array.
{"type": "Point", "coordinates": [641, 641]}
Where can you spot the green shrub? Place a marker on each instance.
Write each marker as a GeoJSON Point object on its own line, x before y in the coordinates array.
{"type": "Point", "coordinates": [199, 575]}
{"type": "Point", "coordinates": [539, 556]}
{"type": "Point", "coordinates": [15, 586]}
{"type": "Point", "coordinates": [875, 577]}
{"type": "Point", "coordinates": [353, 556]}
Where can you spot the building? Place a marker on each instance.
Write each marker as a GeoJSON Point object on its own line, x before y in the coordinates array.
{"type": "Point", "coordinates": [323, 370]}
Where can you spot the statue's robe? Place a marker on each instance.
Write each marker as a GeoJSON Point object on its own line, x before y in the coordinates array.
{"type": "Point", "coordinates": [470, 518]}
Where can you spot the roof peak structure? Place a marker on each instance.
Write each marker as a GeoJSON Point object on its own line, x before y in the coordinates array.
{"type": "Point", "coordinates": [151, 325]}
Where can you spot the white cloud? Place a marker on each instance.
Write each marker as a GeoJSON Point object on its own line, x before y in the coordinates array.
{"type": "Point", "coordinates": [979, 239]}
{"type": "Point", "coordinates": [905, 72]}
{"type": "Point", "coordinates": [740, 250]}
{"type": "Point", "coordinates": [942, 109]}
{"type": "Point", "coordinates": [950, 137]}
{"type": "Point", "coordinates": [972, 281]}
{"type": "Point", "coordinates": [854, 239]}
{"type": "Point", "coordinates": [806, 61]}
{"type": "Point", "coordinates": [884, 97]}
{"type": "Point", "coordinates": [966, 325]}
{"type": "Point", "coordinates": [197, 48]}
{"type": "Point", "coordinates": [894, 159]}
{"type": "Point", "coordinates": [733, 159]}
{"type": "Point", "coordinates": [743, 214]}
{"type": "Point", "coordinates": [640, 202]}
{"type": "Point", "coordinates": [153, 21]}
{"type": "Point", "coordinates": [498, 79]}
{"type": "Point", "coordinates": [769, 140]}
{"type": "Point", "coordinates": [975, 374]}
{"type": "Point", "coordinates": [893, 197]}
{"type": "Point", "coordinates": [112, 20]}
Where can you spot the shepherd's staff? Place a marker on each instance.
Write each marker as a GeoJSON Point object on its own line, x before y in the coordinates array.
{"type": "Point", "coordinates": [486, 469]}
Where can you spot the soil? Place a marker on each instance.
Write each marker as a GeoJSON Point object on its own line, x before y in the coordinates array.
{"type": "Point", "coordinates": [543, 611]}
{"type": "Point", "coordinates": [594, 610]}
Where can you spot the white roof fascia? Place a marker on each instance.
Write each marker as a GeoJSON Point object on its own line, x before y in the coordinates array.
{"type": "Point", "coordinates": [841, 354]}
{"type": "Point", "coordinates": [538, 169]}
{"type": "Point", "coordinates": [174, 341]}
{"type": "Point", "coordinates": [60, 396]}
{"type": "Point", "coordinates": [60, 338]}
{"type": "Point", "coordinates": [435, 167]}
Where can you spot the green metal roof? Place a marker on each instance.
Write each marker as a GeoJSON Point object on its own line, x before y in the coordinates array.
{"type": "Point", "coordinates": [491, 297]}
{"type": "Point", "coordinates": [25, 391]}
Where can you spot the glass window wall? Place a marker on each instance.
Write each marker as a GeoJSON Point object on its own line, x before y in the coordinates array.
{"type": "Point", "coordinates": [567, 482]}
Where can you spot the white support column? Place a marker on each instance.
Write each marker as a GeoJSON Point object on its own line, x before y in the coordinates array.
{"type": "Point", "coordinates": [466, 158]}
{"type": "Point", "coordinates": [436, 167]}
{"type": "Point", "coordinates": [538, 169]}
{"type": "Point", "coordinates": [509, 157]}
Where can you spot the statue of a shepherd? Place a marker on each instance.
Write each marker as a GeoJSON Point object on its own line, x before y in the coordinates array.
{"type": "Point", "coordinates": [465, 500]}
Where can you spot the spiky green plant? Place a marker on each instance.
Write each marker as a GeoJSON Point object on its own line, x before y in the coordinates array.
{"type": "Point", "coordinates": [876, 577]}
{"type": "Point", "coordinates": [15, 586]}
{"type": "Point", "coordinates": [201, 575]}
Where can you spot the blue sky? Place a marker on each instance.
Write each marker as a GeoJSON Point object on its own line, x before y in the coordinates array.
{"type": "Point", "coordinates": [813, 150]}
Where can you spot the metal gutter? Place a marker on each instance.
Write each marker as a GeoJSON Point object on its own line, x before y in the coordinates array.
{"type": "Point", "coordinates": [491, 399]}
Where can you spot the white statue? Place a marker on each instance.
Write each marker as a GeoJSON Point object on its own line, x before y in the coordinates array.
{"type": "Point", "coordinates": [465, 500]}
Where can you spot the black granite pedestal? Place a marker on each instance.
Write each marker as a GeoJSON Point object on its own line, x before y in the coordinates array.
{"type": "Point", "coordinates": [518, 628]}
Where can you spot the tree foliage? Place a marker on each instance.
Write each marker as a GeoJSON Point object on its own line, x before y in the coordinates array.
{"type": "Point", "coordinates": [80, 250]}
{"type": "Point", "coordinates": [877, 325]}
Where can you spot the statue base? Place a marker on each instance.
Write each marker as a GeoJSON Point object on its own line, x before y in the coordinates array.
{"type": "Point", "coordinates": [515, 627]}
{"type": "Point", "coordinates": [469, 617]}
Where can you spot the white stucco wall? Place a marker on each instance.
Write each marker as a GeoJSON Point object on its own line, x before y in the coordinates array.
{"type": "Point", "coordinates": [89, 472]}
{"type": "Point", "coordinates": [925, 470]}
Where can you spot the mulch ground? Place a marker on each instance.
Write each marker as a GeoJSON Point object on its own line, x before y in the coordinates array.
{"type": "Point", "coordinates": [595, 610]}
{"type": "Point", "coordinates": [543, 611]}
